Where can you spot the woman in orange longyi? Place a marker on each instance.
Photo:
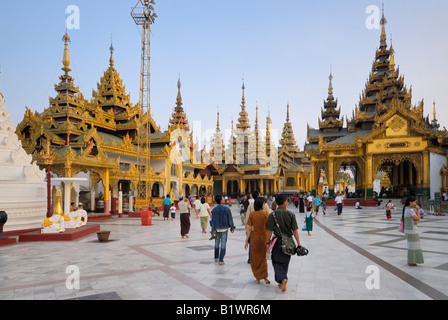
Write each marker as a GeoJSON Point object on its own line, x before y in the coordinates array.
{"type": "Point", "coordinates": [257, 233]}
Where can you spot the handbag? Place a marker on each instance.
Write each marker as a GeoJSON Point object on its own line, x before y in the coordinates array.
{"type": "Point", "coordinates": [288, 245]}
{"type": "Point", "coordinates": [401, 226]}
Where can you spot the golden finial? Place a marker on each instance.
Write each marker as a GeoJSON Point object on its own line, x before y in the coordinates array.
{"type": "Point", "coordinates": [256, 115]}
{"type": "Point", "coordinates": [243, 101]}
{"type": "Point", "coordinates": [179, 95]}
{"type": "Point", "coordinates": [218, 129]}
{"type": "Point", "coordinates": [434, 110]}
{"type": "Point", "coordinates": [66, 58]}
{"type": "Point", "coordinates": [383, 29]}
{"type": "Point", "coordinates": [330, 86]}
{"type": "Point", "coordinates": [111, 60]}
{"type": "Point", "coordinates": [287, 113]}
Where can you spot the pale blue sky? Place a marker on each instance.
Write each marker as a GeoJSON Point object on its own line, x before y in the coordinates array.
{"type": "Point", "coordinates": [282, 48]}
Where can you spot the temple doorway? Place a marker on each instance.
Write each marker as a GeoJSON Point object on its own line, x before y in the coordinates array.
{"type": "Point", "coordinates": [400, 179]}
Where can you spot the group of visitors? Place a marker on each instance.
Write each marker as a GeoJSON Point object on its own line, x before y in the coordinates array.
{"type": "Point", "coordinates": [266, 225]}
{"type": "Point", "coordinates": [185, 205]}
{"type": "Point", "coordinates": [264, 231]}
{"type": "Point", "coordinates": [304, 201]}
{"type": "Point", "coordinates": [267, 220]}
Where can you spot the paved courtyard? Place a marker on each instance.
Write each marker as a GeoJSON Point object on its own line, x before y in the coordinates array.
{"type": "Point", "coordinates": [359, 255]}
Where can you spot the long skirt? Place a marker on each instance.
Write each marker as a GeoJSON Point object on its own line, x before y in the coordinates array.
{"type": "Point", "coordinates": [184, 224]}
{"type": "Point", "coordinates": [258, 262]}
{"type": "Point", "coordinates": [166, 211]}
{"type": "Point", "coordinates": [415, 252]}
{"type": "Point", "coordinates": [280, 262]}
{"type": "Point", "coordinates": [309, 224]}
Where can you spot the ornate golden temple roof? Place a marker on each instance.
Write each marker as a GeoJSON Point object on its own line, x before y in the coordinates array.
{"type": "Point", "coordinates": [179, 117]}
{"type": "Point", "coordinates": [385, 95]}
{"type": "Point", "coordinates": [243, 126]}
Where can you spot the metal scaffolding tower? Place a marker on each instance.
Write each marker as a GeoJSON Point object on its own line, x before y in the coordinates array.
{"type": "Point", "coordinates": [144, 16]}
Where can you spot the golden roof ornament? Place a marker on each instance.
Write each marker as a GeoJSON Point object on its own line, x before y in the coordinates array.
{"type": "Point", "coordinates": [243, 121]}
{"type": "Point", "coordinates": [66, 57]}
{"type": "Point", "coordinates": [383, 30]}
{"type": "Point", "coordinates": [111, 60]}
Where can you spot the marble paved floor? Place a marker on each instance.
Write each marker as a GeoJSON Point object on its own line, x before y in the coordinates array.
{"type": "Point", "coordinates": [154, 263]}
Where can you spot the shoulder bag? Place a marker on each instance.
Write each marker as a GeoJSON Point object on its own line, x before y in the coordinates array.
{"type": "Point", "coordinates": [288, 245]}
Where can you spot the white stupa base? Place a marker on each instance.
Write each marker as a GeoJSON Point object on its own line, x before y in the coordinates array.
{"type": "Point", "coordinates": [25, 204]}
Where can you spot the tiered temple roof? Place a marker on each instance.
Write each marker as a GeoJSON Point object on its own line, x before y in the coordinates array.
{"type": "Point", "coordinates": [330, 114]}
{"type": "Point", "coordinates": [179, 117]}
{"type": "Point", "coordinates": [384, 92]}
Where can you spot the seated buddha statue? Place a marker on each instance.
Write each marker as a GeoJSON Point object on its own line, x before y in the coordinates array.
{"type": "Point", "coordinates": [55, 224]}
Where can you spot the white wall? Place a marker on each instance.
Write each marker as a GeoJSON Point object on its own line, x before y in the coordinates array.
{"type": "Point", "coordinates": [436, 162]}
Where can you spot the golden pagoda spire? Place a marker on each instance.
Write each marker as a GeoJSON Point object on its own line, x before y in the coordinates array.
{"type": "Point", "coordinates": [66, 57]}
{"type": "Point", "coordinates": [111, 60]}
{"type": "Point", "coordinates": [268, 133]}
{"type": "Point", "coordinates": [243, 100]}
{"type": "Point", "coordinates": [434, 110]}
{"type": "Point", "coordinates": [330, 86]}
{"type": "Point", "coordinates": [179, 95]}
{"type": "Point", "coordinates": [256, 118]}
{"type": "Point", "coordinates": [392, 58]}
{"type": "Point", "coordinates": [179, 116]}
{"type": "Point", "coordinates": [383, 31]}
{"type": "Point", "coordinates": [218, 129]}
{"type": "Point", "coordinates": [243, 121]}
{"type": "Point", "coordinates": [268, 119]}
{"type": "Point", "coordinates": [288, 134]}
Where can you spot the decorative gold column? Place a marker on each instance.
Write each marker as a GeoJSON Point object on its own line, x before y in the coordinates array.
{"type": "Point", "coordinates": [312, 174]}
{"type": "Point", "coordinates": [106, 192]}
{"type": "Point", "coordinates": [224, 186]}
{"type": "Point", "coordinates": [330, 176]}
{"type": "Point", "coordinates": [369, 175]}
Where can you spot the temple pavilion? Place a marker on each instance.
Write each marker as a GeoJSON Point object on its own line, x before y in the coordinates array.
{"type": "Point", "coordinates": [100, 138]}
{"type": "Point", "coordinates": [387, 136]}
{"type": "Point", "coordinates": [252, 161]}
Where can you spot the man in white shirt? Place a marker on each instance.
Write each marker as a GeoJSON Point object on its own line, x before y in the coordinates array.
{"type": "Point", "coordinates": [339, 203]}
{"type": "Point", "coordinates": [310, 200]}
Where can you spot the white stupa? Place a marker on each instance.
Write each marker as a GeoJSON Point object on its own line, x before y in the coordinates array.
{"type": "Point", "coordinates": [23, 190]}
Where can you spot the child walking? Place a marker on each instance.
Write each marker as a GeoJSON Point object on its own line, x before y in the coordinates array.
{"type": "Point", "coordinates": [309, 216]}
{"type": "Point", "coordinates": [389, 207]}
{"type": "Point", "coordinates": [173, 212]}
